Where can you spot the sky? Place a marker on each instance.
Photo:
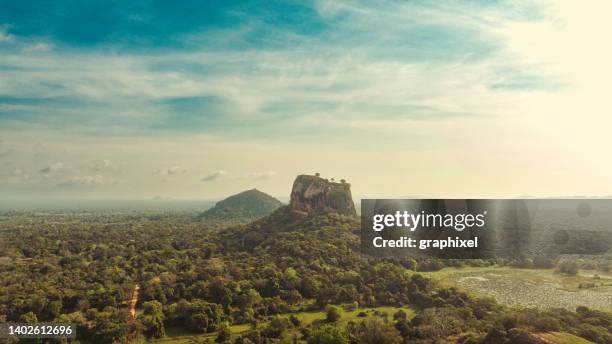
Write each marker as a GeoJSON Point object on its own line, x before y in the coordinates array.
{"type": "Point", "coordinates": [203, 99]}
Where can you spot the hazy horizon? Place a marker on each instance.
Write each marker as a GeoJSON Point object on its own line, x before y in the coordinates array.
{"type": "Point", "coordinates": [188, 204]}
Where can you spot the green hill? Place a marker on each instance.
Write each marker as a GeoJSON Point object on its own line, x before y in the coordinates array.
{"type": "Point", "coordinates": [247, 205]}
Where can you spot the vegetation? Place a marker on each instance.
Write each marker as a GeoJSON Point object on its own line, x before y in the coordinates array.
{"type": "Point", "coordinates": [568, 267]}
{"type": "Point", "coordinates": [278, 279]}
{"type": "Point", "coordinates": [328, 334]}
{"type": "Point", "coordinates": [245, 206]}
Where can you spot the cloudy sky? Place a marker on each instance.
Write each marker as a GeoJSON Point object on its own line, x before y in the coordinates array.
{"type": "Point", "coordinates": [201, 99]}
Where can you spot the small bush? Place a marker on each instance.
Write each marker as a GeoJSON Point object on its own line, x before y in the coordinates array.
{"type": "Point", "coordinates": [568, 267]}
{"type": "Point", "coordinates": [332, 313]}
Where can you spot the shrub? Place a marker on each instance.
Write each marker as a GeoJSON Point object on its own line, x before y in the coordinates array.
{"type": "Point", "coordinates": [541, 262]}
{"type": "Point", "coordinates": [568, 267]}
{"type": "Point", "coordinates": [332, 313]}
{"type": "Point", "coordinates": [328, 334]}
{"type": "Point", "coordinates": [596, 334]}
{"type": "Point", "coordinates": [294, 320]}
{"type": "Point", "coordinates": [375, 331]}
{"type": "Point", "coordinates": [224, 333]}
{"type": "Point", "coordinates": [400, 315]}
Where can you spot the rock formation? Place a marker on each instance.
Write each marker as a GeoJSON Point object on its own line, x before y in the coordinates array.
{"type": "Point", "coordinates": [313, 195]}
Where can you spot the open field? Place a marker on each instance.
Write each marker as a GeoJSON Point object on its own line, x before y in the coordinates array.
{"type": "Point", "coordinates": [178, 336]}
{"type": "Point", "coordinates": [310, 317]}
{"type": "Point", "coordinates": [542, 289]}
{"type": "Point", "coordinates": [175, 336]}
{"type": "Point", "coordinates": [562, 338]}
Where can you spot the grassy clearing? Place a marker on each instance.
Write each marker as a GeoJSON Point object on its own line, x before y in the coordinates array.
{"type": "Point", "coordinates": [179, 336]}
{"type": "Point", "coordinates": [544, 289]}
{"type": "Point", "coordinates": [563, 338]}
{"type": "Point", "coordinates": [308, 318]}
{"type": "Point", "coordinates": [318, 317]}
{"type": "Point", "coordinates": [450, 276]}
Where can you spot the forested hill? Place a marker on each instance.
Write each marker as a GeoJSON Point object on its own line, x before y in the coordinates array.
{"type": "Point", "coordinates": [284, 226]}
{"type": "Point", "coordinates": [247, 205]}
{"type": "Point", "coordinates": [316, 206]}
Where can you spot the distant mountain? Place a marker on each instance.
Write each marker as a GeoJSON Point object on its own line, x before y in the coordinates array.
{"type": "Point", "coordinates": [247, 205]}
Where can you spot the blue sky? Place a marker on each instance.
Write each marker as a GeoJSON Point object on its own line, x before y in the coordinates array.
{"type": "Point", "coordinates": [142, 25]}
{"type": "Point", "coordinates": [146, 98]}
{"type": "Point", "coordinates": [204, 42]}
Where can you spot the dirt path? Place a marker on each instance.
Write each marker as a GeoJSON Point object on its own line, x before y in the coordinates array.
{"type": "Point", "coordinates": [134, 300]}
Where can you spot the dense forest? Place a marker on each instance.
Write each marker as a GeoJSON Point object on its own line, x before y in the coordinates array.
{"type": "Point", "coordinates": [201, 277]}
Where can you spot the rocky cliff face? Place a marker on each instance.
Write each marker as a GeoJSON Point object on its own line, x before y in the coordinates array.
{"type": "Point", "coordinates": [312, 194]}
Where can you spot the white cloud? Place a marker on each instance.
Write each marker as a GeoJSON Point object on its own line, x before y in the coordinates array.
{"type": "Point", "coordinates": [349, 88]}
{"type": "Point", "coordinates": [6, 37]}
{"type": "Point", "coordinates": [86, 181]}
{"type": "Point", "coordinates": [15, 176]}
{"type": "Point", "coordinates": [89, 180]}
{"type": "Point", "coordinates": [214, 176]}
{"type": "Point", "coordinates": [55, 167]}
{"type": "Point", "coordinates": [38, 47]}
{"type": "Point", "coordinates": [104, 165]}
{"type": "Point", "coordinates": [169, 171]}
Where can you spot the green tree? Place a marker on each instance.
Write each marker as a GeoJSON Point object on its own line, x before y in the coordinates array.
{"type": "Point", "coordinates": [332, 313]}
{"type": "Point", "coordinates": [153, 319]}
{"type": "Point", "coordinates": [569, 267]}
{"type": "Point", "coordinates": [54, 309]}
{"type": "Point", "coordinates": [375, 331]}
{"type": "Point", "coordinates": [295, 320]}
{"type": "Point", "coordinates": [328, 334]}
{"type": "Point", "coordinates": [541, 262]}
{"type": "Point", "coordinates": [400, 315]}
{"type": "Point", "coordinates": [224, 333]}
{"type": "Point", "coordinates": [29, 318]}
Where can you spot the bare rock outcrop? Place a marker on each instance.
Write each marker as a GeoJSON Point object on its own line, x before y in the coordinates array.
{"type": "Point", "coordinates": [313, 195]}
